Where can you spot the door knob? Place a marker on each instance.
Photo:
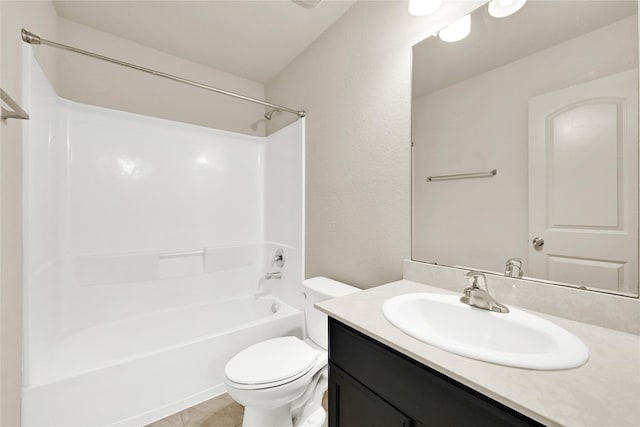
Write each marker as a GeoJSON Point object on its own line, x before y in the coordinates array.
{"type": "Point", "coordinates": [537, 242]}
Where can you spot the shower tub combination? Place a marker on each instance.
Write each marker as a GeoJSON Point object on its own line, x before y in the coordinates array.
{"type": "Point", "coordinates": [138, 370]}
{"type": "Point", "coordinates": [146, 247]}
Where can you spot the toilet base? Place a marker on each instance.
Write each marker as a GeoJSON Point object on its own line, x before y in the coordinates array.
{"type": "Point", "coordinates": [262, 417]}
{"type": "Point", "coordinates": [281, 417]}
{"type": "Point", "coordinates": [308, 410]}
{"type": "Point", "coordinates": [316, 419]}
{"type": "Point", "coordinates": [304, 411]}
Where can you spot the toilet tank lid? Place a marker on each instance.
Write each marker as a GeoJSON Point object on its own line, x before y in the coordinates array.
{"type": "Point", "coordinates": [330, 288]}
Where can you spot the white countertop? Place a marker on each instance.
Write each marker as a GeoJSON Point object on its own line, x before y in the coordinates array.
{"type": "Point", "coordinates": [603, 392]}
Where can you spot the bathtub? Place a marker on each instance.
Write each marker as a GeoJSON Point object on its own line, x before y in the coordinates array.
{"type": "Point", "coordinates": [137, 370]}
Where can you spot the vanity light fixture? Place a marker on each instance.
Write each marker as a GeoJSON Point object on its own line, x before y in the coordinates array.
{"type": "Point", "coordinates": [423, 7]}
{"type": "Point", "coordinates": [457, 30]}
{"type": "Point", "coordinates": [502, 8]}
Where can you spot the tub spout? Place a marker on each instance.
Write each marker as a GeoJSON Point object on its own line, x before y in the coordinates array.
{"type": "Point", "coordinates": [274, 275]}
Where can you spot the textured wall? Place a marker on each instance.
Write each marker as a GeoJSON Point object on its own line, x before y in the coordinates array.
{"type": "Point", "coordinates": [355, 84]}
{"type": "Point", "coordinates": [96, 82]}
{"type": "Point", "coordinates": [14, 16]}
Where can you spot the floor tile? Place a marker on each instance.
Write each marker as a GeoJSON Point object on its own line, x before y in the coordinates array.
{"type": "Point", "coordinates": [174, 420]}
{"type": "Point", "coordinates": [221, 411]}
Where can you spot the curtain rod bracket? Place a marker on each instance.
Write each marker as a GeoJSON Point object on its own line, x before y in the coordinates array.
{"type": "Point", "coordinates": [30, 38]}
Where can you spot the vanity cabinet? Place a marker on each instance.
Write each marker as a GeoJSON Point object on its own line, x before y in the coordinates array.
{"type": "Point", "coordinates": [372, 385]}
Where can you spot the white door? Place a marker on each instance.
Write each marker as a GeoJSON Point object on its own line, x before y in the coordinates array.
{"type": "Point", "coordinates": [583, 184]}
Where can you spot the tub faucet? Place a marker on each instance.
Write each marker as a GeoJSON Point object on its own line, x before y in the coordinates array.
{"type": "Point", "coordinates": [513, 268]}
{"type": "Point", "coordinates": [477, 295]}
{"type": "Point", "coordinates": [262, 285]}
{"type": "Point", "coordinates": [274, 275]}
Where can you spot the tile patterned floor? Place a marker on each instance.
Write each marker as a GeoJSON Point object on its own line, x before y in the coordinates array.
{"type": "Point", "coordinates": [221, 411]}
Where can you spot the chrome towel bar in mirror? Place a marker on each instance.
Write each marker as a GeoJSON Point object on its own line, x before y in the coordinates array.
{"type": "Point", "coordinates": [488, 174]}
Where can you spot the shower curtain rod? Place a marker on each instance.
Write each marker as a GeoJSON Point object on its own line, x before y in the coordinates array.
{"type": "Point", "coordinates": [31, 38]}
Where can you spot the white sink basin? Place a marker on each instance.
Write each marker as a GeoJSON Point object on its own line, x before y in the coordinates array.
{"type": "Point", "coordinates": [516, 338]}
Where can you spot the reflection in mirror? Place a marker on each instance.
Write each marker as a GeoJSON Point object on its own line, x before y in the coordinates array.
{"type": "Point", "coordinates": [548, 98]}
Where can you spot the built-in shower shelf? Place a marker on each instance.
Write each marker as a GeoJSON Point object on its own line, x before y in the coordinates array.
{"type": "Point", "coordinates": [139, 267]}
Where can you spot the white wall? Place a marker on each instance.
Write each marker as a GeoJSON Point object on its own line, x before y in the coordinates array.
{"type": "Point", "coordinates": [13, 16]}
{"type": "Point", "coordinates": [355, 84]}
{"type": "Point", "coordinates": [458, 129]}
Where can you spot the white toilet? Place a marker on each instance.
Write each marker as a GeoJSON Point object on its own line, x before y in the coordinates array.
{"type": "Point", "coordinates": [281, 381]}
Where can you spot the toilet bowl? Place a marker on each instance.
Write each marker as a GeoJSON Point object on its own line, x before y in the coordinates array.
{"type": "Point", "coordinates": [281, 381]}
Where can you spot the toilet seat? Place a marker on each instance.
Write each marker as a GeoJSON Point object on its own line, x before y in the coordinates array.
{"type": "Point", "coordinates": [271, 363]}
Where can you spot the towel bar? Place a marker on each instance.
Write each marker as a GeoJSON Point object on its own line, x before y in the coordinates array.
{"type": "Point", "coordinates": [463, 176]}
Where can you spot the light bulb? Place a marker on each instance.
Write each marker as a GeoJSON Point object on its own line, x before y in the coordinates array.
{"type": "Point", "coordinates": [423, 7]}
{"type": "Point", "coordinates": [502, 8]}
{"type": "Point", "coordinates": [457, 30]}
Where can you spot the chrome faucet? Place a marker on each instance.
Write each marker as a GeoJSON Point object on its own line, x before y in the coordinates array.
{"type": "Point", "coordinates": [277, 261]}
{"type": "Point", "coordinates": [477, 295]}
{"type": "Point", "coordinates": [262, 285]}
{"type": "Point", "coordinates": [513, 268]}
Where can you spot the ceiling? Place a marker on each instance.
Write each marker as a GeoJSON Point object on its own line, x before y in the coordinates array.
{"type": "Point", "coordinates": [251, 39]}
{"type": "Point", "coordinates": [495, 42]}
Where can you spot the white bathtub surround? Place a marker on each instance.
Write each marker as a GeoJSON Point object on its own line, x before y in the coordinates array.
{"type": "Point", "coordinates": [146, 241]}
{"type": "Point", "coordinates": [609, 311]}
{"type": "Point", "coordinates": [284, 206]}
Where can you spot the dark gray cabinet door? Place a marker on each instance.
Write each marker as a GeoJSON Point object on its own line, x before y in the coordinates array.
{"type": "Point", "coordinates": [353, 405]}
{"type": "Point", "coordinates": [422, 395]}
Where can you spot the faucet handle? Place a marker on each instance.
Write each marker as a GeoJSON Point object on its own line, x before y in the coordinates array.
{"type": "Point", "coordinates": [478, 294]}
{"type": "Point", "coordinates": [513, 268]}
{"type": "Point", "coordinates": [278, 259]}
{"type": "Point", "coordinates": [477, 278]}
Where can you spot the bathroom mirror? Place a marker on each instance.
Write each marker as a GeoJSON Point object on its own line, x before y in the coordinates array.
{"type": "Point", "coordinates": [536, 117]}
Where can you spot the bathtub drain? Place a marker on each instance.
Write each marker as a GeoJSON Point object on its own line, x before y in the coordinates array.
{"type": "Point", "coordinates": [275, 307]}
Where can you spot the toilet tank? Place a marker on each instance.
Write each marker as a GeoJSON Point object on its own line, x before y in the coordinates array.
{"type": "Point", "coordinates": [319, 289]}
